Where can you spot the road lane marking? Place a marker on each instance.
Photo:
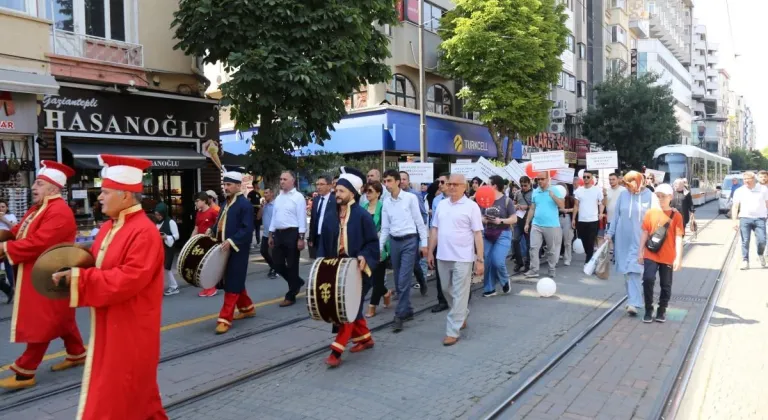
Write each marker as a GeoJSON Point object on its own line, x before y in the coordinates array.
{"type": "Point", "coordinates": [168, 327]}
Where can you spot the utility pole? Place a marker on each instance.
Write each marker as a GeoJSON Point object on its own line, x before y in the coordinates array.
{"type": "Point", "coordinates": [422, 90]}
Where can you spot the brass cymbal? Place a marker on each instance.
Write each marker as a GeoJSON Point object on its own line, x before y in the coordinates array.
{"type": "Point", "coordinates": [6, 235]}
{"type": "Point", "coordinates": [58, 258]}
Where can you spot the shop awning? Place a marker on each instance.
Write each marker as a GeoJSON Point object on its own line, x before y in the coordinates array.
{"type": "Point", "coordinates": [86, 155]}
{"type": "Point", "coordinates": [23, 82]}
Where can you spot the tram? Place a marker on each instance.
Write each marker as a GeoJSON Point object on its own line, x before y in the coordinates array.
{"type": "Point", "coordinates": [703, 170]}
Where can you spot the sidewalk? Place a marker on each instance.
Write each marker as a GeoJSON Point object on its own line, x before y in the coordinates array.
{"type": "Point", "coordinates": [730, 376]}
{"type": "Point", "coordinates": [622, 369]}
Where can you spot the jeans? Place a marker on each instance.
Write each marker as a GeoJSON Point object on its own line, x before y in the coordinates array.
{"type": "Point", "coordinates": [553, 237]}
{"type": "Point", "coordinates": [403, 254]}
{"type": "Point", "coordinates": [496, 261]}
{"type": "Point", "coordinates": [457, 282]}
{"type": "Point", "coordinates": [634, 285]}
{"type": "Point", "coordinates": [746, 226]}
{"type": "Point", "coordinates": [521, 243]}
{"type": "Point", "coordinates": [649, 279]}
{"type": "Point", "coordinates": [587, 232]}
{"type": "Point", "coordinates": [565, 225]}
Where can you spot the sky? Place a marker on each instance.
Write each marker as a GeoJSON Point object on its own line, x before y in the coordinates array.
{"type": "Point", "coordinates": [741, 35]}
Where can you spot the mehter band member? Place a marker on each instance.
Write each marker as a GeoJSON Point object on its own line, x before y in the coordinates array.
{"type": "Point", "coordinates": [352, 234]}
{"type": "Point", "coordinates": [125, 293]}
{"type": "Point", "coordinates": [36, 319]}
{"type": "Point", "coordinates": [234, 229]}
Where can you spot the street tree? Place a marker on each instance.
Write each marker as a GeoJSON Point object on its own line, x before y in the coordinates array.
{"type": "Point", "coordinates": [633, 116]}
{"type": "Point", "coordinates": [292, 63]}
{"type": "Point", "coordinates": [507, 52]}
{"type": "Point", "coordinates": [747, 160]}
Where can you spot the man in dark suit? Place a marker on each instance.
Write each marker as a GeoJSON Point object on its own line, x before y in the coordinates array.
{"type": "Point", "coordinates": [320, 211]}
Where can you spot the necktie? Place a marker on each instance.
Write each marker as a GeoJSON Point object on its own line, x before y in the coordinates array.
{"type": "Point", "coordinates": [319, 213]}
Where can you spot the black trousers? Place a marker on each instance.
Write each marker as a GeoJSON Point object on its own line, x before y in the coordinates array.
{"type": "Point", "coordinates": [587, 232]}
{"type": "Point", "coordinates": [521, 255]}
{"type": "Point", "coordinates": [264, 250]}
{"type": "Point", "coordinates": [649, 279]}
{"type": "Point", "coordinates": [379, 288]}
{"type": "Point", "coordinates": [285, 256]}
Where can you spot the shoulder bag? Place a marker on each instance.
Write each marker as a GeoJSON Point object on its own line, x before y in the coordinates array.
{"type": "Point", "coordinates": [657, 238]}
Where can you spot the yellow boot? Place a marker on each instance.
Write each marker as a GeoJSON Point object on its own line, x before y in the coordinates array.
{"type": "Point", "coordinates": [58, 367]}
{"type": "Point", "coordinates": [246, 314]}
{"type": "Point", "coordinates": [221, 328]}
{"type": "Point", "coordinates": [12, 383]}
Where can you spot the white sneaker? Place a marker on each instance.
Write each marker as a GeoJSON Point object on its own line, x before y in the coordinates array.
{"type": "Point", "coordinates": [745, 265]}
{"type": "Point", "coordinates": [762, 261]}
{"type": "Point", "coordinates": [171, 291]}
{"type": "Point", "coordinates": [631, 310]}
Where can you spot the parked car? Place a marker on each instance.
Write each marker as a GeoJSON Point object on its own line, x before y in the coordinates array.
{"type": "Point", "coordinates": [724, 191]}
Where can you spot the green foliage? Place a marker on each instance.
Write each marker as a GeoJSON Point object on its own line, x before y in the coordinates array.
{"type": "Point", "coordinates": [325, 163]}
{"type": "Point", "coordinates": [745, 160]}
{"type": "Point", "coordinates": [292, 64]}
{"type": "Point", "coordinates": [508, 54]}
{"type": "Point", "coordinates": [634, 116]}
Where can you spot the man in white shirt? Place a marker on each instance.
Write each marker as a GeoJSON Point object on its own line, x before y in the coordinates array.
{"type": "Point", "coordinates": [421, 263]}
{"type": "Point", "coordinates": [612, 197]}
{"type": "Point", "coordinates": [286, 234]}
{"type": "Point", "coordinates": [457, 226]}
{"type": "Point", "coordinates": [401, 222]}
{"type": "Point", "coordinates": [750, 208]}
{"type": "Point", "coordinates": [587, 209]}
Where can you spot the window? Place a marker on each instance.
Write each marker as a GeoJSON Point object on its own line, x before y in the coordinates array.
{"type": "Point", "coordinates": [618, 66]}
{"type": "Point", "coordinates": [431, 13]}
{"type": "Point", "coordinates": [570, 43]}
{"type": "Point", "coordinates": [469, 115]}
{"type": "Point", "coordinates": [570, 83]}
{"type": "Point", "coordinates": [98, 18]}
{"type": "Point", "coordinates": [400, 92]}
{"type": "Point", "coordinates": [358, 99]}
{"type": "Point", "coordinates": [439, 100]}
{"type": "Point", "coordinates": [621, 4]}
{"type": "Point", "coordinates": [23, 6]}
{"type": "Point", "coordinates": [582, 51]}
{"type": "Point", "coordinates": [618, 35]}
{"type": "Point", "coordinates": [562, 80]}
{"type": "Point", "coordinates": [633, 43]}
{"type": "Point", "coordinates": [581, 89]}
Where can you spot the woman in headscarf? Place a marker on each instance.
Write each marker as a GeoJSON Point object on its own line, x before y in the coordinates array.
{"type": "Point", "coordinates": [625, 230]}
{"type": "Point", "coordinates": [169, 231]}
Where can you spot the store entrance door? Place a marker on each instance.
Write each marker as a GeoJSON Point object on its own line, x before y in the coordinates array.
{"type": "Point", "coordinates": [177, 190]}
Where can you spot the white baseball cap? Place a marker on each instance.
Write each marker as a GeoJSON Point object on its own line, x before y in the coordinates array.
{"type": "Point", "coordinates": [665, 189]}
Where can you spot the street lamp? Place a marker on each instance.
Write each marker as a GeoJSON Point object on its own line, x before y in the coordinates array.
{"type": "Point", "coordinates": [422, 91]}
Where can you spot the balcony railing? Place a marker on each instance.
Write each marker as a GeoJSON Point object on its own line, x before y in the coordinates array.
{"type": "Point", "coordinates": [98, 49]}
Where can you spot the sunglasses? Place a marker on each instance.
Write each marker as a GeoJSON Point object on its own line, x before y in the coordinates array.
{"type": "Point", "coordinates": [371, 191]}
{"type": "Point", "coordinates": [441, 182]}
{"type": "Point", "coordinates": [587, 177]}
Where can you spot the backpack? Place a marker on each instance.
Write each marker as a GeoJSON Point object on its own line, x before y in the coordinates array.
{"type": "Point", "coordinates": [657, 238]}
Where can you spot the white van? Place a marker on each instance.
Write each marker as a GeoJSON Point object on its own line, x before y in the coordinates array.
{"type": "Point", "coordinates": [724, 191]}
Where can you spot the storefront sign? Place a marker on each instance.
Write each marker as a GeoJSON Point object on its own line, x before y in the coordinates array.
{"type": "Point", "coordinates": [554, 141]}
{"type": "Point", "coordinates": [544, 161]}
{"type": "Point", "coordinates": [165, 163]}
{"type": "Point", "coordinates": [602, 160]}
{"type": "Point", "coordinates": [93, 111]}
{"type": "Point", "coordinates": [460, 144]}
{"type": "Point", "coordinates": [17, 113]}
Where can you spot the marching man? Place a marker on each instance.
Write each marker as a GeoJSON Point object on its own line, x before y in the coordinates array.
{"type": "Point", "coordinates": [125, 293]}
{"type": "Point", "coordinates": [36, 319]}
{"type": "Point", "coordinates": [353, 235]}
{"type": "Point", "coordinates": [234, 230]}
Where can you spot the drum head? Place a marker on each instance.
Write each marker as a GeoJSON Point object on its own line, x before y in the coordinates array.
{"type": "Point", "coordinates": [212, 267]}
{"type": "Point", "coordinates": [58, 258]}
{"type": "Point", "coordinates": [353, 287]}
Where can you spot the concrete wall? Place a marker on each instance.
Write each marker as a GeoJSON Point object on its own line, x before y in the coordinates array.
{"type": "Point", "coordinates": [156, 35]}
{"type": "Point", "coordinates": [27, 52]}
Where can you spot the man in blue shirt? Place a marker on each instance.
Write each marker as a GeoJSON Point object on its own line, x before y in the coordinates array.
{"type": "Point", "coordinates": [543, 224]}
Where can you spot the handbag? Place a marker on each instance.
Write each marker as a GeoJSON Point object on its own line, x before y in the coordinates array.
{"type": "Point", "coordinates": [657, 238]}
{"type": "Point", "coordinates": [13, 162]}
{"type": "Point", "coordinates": [26, 163]}
{"type": "Point", "coordinates": [493, 234]}
{"type": "Point", "coordinates": [5, 174]}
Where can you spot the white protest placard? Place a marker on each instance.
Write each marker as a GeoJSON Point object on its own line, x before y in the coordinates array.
{"type": "Point", "coordinates": [515, 171]}
{"type": "Point", "coordinates": [658, 176]}
{"type": "Point", "coordinates": [564, 176]}
{"type": "Point", "coordinates": [419, 173]}
{"type": "Point", "coordinates": [602, 160]}
{"type": "Point", "coordinates": [463, 160]}
{"type": "Point", "coordinates": [544, 161]}
{"type": "Point", "coordinates": [79, 194]}
{"type": "Point", "coordinates": [602, 177]}
{"type": "Point", "coordinates": [484, 170]}
{"type": "Point", "coordinates": [466, 169]}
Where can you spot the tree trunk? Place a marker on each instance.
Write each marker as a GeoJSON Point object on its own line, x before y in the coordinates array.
{"type": "Point", "coordinates": [510, 142]}
{"type": "Point", "coordinates": [498, 142]}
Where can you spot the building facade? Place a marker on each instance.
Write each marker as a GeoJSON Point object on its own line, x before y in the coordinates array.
{"type": "Point", "coordinates": [118, 87]}
{"type": "Point", "coordinates": [653, 56]}
{"type": "Point", "coordinates": [709, 118]}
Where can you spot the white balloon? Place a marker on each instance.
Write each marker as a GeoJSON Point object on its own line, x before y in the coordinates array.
{"type": "Point", "coordinates": [561, 189]}
{"type": "Point", "coordinates": [578, 246]}
{"type": "Point", "coordinates": [581, 174]}
{"type": "Point", "coordinates": [546, 287]}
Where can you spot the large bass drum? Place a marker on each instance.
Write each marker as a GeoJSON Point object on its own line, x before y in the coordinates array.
{"type": "Point", "coordinates": [335, 290]}
{"type": "Point", "coordinates": [202, 261]}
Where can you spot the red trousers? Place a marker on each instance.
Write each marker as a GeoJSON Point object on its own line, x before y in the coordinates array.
{"type": "Point", "coordinates": [27, 363]}
{"type": "Point", "coordinates": [358, 331]}
{"type": "Point", "coordinates": [241, 300]}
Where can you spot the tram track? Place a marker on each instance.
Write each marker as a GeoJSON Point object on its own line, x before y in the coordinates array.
{"type": "Point", "coordinates": [38, 393]}
{"type": "Point", "coordinates": [541, 373]}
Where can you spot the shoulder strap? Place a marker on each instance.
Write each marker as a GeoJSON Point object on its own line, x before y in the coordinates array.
{"type": "Point", "coordinates": [666, 225]}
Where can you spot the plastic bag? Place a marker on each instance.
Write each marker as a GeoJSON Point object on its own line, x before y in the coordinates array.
{"type": "Point", "coordinates": [591, 266]}
{"type": "Point", "coordinates": [603, 266]}
{"type": "Point", "coordinates": [578, 247]}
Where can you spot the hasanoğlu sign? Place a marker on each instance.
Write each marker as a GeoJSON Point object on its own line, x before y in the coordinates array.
{"type": "Point", "coordinates": [89, 111]}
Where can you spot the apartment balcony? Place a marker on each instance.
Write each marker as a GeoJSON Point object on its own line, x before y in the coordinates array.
{"type": "Point", "coordinates": [714, 73]}
{"type": "Point", "coordinates": [713, 58]}
{"type": "Point", "coordinates": [641, 28]}
{"type": "Point", "coordinates": [98, 49]}
{"type": "Point", "coordinates": [699, 60]}
{"type": "Point", "coordinates": [697, 92]}
{"type": "Point", "coordinates": [713, 46]}
{"type": "Point", "coordinates": [619, 17]}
